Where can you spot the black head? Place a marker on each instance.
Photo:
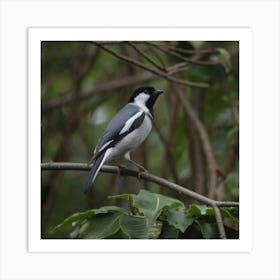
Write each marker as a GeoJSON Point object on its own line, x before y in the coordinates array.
{"type": "Point", "coordinates": [146, 96]}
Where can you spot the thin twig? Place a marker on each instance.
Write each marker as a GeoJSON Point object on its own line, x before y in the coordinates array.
{"type": "Point", "coordinates": [152, 70]}
{"type": "Point", "coordinates": [177, 49]}
{"type": "Point", "coordinates": [196, 51]}
{"type": "Point", "coordinates": [145, 56]}
{"type": "Point", "coordinates": [184, 58]}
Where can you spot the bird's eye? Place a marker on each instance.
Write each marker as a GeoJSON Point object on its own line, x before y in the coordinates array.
{"type": "Point", "coordinates": [145, 91]}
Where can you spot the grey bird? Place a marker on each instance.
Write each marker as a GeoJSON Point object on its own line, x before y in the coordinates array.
{"type": "Point", "coordinates": [126, 131]}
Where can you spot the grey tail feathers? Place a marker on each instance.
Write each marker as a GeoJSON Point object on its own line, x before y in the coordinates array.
{"type": "Point", "coordinates": [94, 171]}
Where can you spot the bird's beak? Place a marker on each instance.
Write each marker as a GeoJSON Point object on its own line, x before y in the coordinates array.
{"type": "Point", "coordinates": [158, 92]}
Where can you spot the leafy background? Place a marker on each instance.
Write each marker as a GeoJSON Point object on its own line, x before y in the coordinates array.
{"type": "Point", "coordinates": [83, 86]}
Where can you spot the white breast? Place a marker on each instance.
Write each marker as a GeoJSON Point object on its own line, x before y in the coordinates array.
{"type": "Point", "coordinates": [132, 140]}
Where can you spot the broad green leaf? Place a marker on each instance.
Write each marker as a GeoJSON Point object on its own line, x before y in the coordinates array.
{"type": "Point", "coordinates": [169, 232]}
{"type": "Point", "coordinates": [152, 204]}
{"type": "Point", "coordinates": [75, 233]}
{"type": "Point", "coordinates": [87, 214]}
{"type": "Point", "coordinates": [226, 212]}
{"type": "Point", "coordinates": [100, 226]}
{"type": "Point", "coordinates": [128, 197]}
{"type": "Point", "coordinates": [139, 227]}
{"type": "Point", "coordinates": [197, 210]}
{"type": "Point", "coordinates": [179, 219]}
{"type": "Point", "coordinates": [210, 213]}
{"type": "Point", "coordinates": [208, 230]}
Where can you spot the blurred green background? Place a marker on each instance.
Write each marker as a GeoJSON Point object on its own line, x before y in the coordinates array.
{"type": "Point", "coordinates": [83, 85]}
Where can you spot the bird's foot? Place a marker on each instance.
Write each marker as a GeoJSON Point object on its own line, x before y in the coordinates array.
{"type": "Point", "coordinates": [120, 167]}
{"type": "Point", "coordinates": [141, 171]}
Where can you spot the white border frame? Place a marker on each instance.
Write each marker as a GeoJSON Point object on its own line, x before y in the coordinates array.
{"type": "Point", "coordinates": [36, 35]}
{"type": "Point", "coordinates": [263, 17]}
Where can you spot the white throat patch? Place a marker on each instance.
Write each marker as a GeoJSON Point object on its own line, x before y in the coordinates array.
{"type": "Point", "coordinates": [141, 100]}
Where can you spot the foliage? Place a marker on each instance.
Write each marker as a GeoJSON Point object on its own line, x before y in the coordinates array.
{"type": "Point", "coordinates": [150, 216]}
{"type": "Point", "coordinates": [83, 86]}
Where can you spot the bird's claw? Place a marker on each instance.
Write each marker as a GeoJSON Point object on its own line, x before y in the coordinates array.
{"type": "Point", "coordinates": [120, 168]}
{"type": "Point", "coordinates": [141, 171]}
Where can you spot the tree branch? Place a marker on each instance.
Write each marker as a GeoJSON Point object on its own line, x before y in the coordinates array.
{"type": "Point", "coordinates": [142, 53]}
{"type": "Point", "coordinates": [184, 58]}
{"type": "Point", "coordinates": [150, 178]}
{"type": "Point", "coordinates": [153, 70]}
{"type": "Point", "coordinates": [207, 148]}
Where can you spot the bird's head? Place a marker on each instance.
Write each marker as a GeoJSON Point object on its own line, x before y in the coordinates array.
{"type": "Point", "coordinates": [145, 96]}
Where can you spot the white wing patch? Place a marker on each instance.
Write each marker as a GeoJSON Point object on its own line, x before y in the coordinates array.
{"type": "Point", "coordinates": [105, 145]}
{"type": "Point", "coordinates": [129, 122]}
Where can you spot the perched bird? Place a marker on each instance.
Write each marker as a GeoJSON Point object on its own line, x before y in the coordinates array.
{"type": "Point", "coordinates": [126, 131]}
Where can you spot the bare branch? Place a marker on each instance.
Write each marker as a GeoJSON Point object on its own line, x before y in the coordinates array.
{"type": "Point", "coordinates": [196, 51]}
{"type": "Point", "coordinates": [219, 221]}
{"type": "Point", "coordinates": [134, 173]}
{"type": "Point", "coordinates": [184, 58]}
{"type": "Point", "coordinates": [146, 56]}
{"type": "Point", "coordinates": [155, 71]}
{"type": "Point", "coordinates": [177, 49]}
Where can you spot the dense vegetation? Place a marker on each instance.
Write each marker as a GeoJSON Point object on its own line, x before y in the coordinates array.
{"type": "Point", "coordinates": [194, 142]}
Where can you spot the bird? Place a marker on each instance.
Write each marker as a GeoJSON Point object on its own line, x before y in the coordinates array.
{"type": "Point", "coordinates": [125, 132]}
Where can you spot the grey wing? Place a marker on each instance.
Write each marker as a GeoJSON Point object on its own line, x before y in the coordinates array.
{"type": "Point", "coordinates": [126, 120]}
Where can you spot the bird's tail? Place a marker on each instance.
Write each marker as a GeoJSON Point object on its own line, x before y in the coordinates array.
{"type": "Point", "coordinates": [95, 169]}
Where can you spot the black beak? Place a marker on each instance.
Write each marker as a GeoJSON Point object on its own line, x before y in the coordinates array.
{"type": "Point", "coordinates": [158, 91]}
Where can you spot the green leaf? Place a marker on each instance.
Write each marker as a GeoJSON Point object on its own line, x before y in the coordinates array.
{"type": "Point", "coordinates": [122, 196]}
{"type": "Point", "coordinates": [87, 214]}
{"type": "Point", "coordinates": [169, 232]}
{"type": "Point", "coordinates": [100, 226]}
{"type": "Point", "coordinates": [128, 197]}
{"type": "Point", "coordinates": [226, 212]}
{"type": "Point", "coordinates": [139, 227]}
{"type": "Point", "coordinates": [152, 204]}
{"type": "Point", "coordinates": [224, 57]}
{"type": "Point", "coordinates": [197, 210]}
{"type": "Point", "coordinates": [179, 219]}
{"type": "Point", "coordinates": [75, 233]}
{"type": "Point", "coordinates": [208, 230]}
